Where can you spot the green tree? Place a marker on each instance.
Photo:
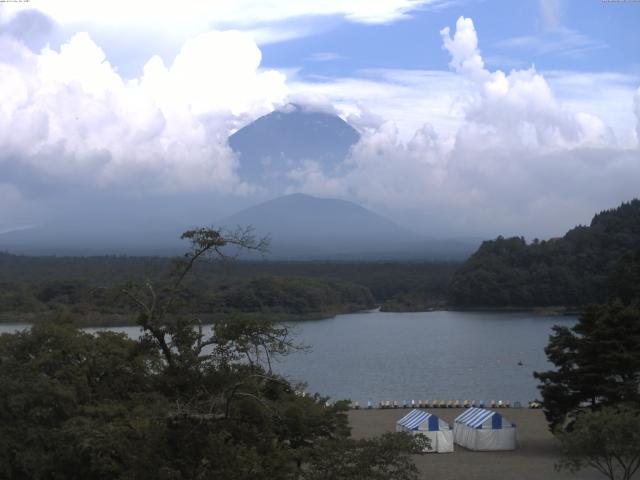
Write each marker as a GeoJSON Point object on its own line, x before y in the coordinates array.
{"type": "Point", "coordinates": [383, 458]}
{"type": "Point", "coordinates": [68, 401]}
{"type": "Point", "coordinates": [570, 271]}
{"type": "Point", "coordinates": [181, 403]}
{"type": "Point", "coordinates": [625, 280]}
{"type": "Point", "coordinates": [597, 360]}
{"type": "Point", "coordinates": [607, 440]}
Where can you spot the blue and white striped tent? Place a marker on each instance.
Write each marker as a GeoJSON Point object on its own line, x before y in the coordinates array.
{"type": "Point", "coordinates": [429, 425]}
{"type": "Point", "coordinates": [483, 429]}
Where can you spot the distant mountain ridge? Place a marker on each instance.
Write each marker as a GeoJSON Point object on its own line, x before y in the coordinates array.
{"type": "Point", "coordinates": [571, 271]}
{"type": "Point", "coordinates": [275, 144]}
{"type": "Point", "coordinates": [302, 226]}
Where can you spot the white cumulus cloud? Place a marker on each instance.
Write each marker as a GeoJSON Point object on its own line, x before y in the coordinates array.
{"type": "Point", "coordinates": [69, 116]}
{"type": "Point", "coordinates": [520, 162]}
{"type": "Point", "coordinates": [453, 151]}
{"type": "Point", "coordinates": [519, 106]}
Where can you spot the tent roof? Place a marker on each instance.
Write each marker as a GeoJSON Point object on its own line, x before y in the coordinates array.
{"type": "Point", "coordinates": [476, 417]}
{"type": "Point", "coordinates": [415, 418]}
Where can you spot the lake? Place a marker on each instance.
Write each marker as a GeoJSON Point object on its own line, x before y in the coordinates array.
{"type": "Point", "coordinates": [427, 355]}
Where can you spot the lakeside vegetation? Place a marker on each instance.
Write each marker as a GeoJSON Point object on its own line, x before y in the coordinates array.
{"type": "Point", "coordinates": [572, 271]}
{"type": "Point", "coordinates": [90, 288]}
{"type": "Point", "coordinates": [183, 402]}
{"type": "Point", "coordinates": [591, 398]}
{"type": "Point", "coordinates": [179, 403]}
{"type": "Point", "coordinates": [560, 275]}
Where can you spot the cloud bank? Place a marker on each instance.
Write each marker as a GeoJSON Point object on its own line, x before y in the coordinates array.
{"type": "Point", "coordinates": [499, 154]}
{"type": "Point", "coordinates": [67, 116]}
{"type": "Point", "coordinates": [520, 162]}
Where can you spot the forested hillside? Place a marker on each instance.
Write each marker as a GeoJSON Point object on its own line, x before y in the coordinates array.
{"type": "Point", "coordinates": [570, 271]}
{"type": "Point", "coordinates": [276, 298]}
{"type": "Point", "coordinates": [90, 288]}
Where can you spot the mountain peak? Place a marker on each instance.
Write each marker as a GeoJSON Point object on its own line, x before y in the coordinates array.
{"type": "Point", "coordinates": [277, 143]}
{"type": "Point", "coordinates": [301, 225]}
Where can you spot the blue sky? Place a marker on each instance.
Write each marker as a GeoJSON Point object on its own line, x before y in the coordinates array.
{"type": "Point", "coordinates": [581, 35]}
{"type": "Point", "coordinates": [477, 117]}
{"type": "Point", "coordinates": [585, 35]}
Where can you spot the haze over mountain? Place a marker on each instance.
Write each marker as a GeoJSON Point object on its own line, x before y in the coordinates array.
{"type": "Point", "coordinates": [272, 146]}
{"type": "Point", "coordinates": [302, 226]}
{"type": "Point", "coordinates": [467, 125]}
{"type": "Point", "coordinates": [269, 148]}
{"type": "Point", "coordinates": [65, 239]}
{"type": "Point", "coordinates": [271, 151]}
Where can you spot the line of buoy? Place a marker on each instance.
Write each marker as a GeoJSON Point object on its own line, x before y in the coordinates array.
{"type": "Point", "coordinates": [393, 404]}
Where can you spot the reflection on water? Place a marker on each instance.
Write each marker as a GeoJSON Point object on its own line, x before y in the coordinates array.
{"type": "Point", "coordinates": [426, 355]}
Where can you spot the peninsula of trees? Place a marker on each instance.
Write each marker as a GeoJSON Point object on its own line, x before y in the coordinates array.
{"type": "Point", "coordinates": [575, 270]}
{"type": "Point", "coordinates": [90, 288]}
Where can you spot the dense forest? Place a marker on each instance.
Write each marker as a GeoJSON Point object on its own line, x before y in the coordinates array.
{"type": "Point", "coordinates": [574, 270]}
{"type": "Point", "coordinates": [183, 402]}
{"type": "Point", "coordinates": [571, 271]}
{"type": "Point", "coordinates": [90, 288]}
{"type": "Point", "coordinates": [591, 395]}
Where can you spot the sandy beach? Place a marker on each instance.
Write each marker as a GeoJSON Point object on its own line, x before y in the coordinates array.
{"type": "Point", "coordinates": [533, 459]}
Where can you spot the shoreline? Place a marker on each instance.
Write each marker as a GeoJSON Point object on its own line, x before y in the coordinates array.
{"type": "Point", "coordinates": [539, 310]}
{"type": "Point", "coordinates": [30, 318]}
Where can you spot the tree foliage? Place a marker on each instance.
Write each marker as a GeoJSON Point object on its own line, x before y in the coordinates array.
{"type": "Point", "coordinates": [570, 271]}
{"type": "Point", "coordinates": [72, 404]}
{"type": "Point", "coordinates": [607, 440]}
{"type": "Point", "coordinates": [597, 362]}
{"type": "Point", "coordinates": [387, 457]}
{"type": "Point", "coordinates": [182, 402]}
{"type": "Point", "coordinates": [598, 359]}
{"type": "Point", "coordinates": [34, 288]}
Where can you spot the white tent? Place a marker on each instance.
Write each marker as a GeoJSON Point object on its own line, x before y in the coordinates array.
{"type": "Point", "coordinates": [482, 429]}
{"type": "Point", "coordinates": [432, 427]}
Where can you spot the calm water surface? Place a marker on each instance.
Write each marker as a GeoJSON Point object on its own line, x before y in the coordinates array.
{"type": "Point", "coordinates": [427, 355]}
